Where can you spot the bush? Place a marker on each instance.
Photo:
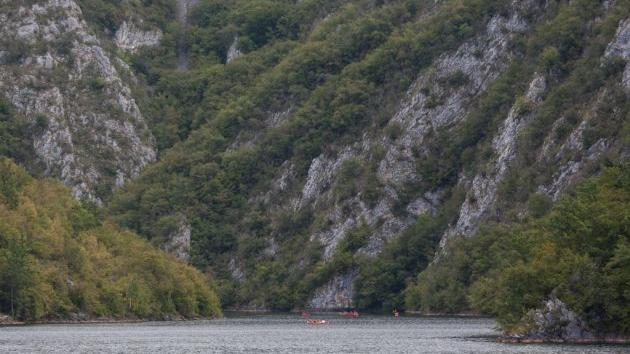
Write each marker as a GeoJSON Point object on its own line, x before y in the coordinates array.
{"type": "Point", "coordinates": [393, 130]}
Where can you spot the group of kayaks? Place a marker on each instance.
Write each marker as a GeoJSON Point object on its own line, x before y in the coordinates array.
{"type": "Point", "coordinates": [349, 314]}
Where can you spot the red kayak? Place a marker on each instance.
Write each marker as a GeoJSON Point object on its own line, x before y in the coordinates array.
{"type": "Point", "coordinates": [352, 314]}
{"type": "Point", "coordinates": [316, 322]}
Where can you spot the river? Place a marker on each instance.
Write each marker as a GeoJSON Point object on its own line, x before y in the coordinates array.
{"type": "Point", "coordinates": [280, 334]}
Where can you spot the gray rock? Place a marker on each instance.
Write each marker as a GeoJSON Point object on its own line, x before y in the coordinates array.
{"type": "Point", "coordinates": [336, 294]}
{"type": "Point", "coordinates": [178, 242]}
{"type": "Point", "coordinates": [554, 321]}
{"type": "Point", "coordinates": [130, 38]}
{"type": "Point", "coordinates": [92, 122]}
{"type": "Point", "coordinates": [233, 52]}
{"type": "Point", "coordinates": [620, 47]}
{"type": "Point", "coordinates": [482, 193]}
{"type": "Point", "coordinates": [481, 60]}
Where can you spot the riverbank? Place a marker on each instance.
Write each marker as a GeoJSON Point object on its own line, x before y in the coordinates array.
{"type": "Point", "coordinates": [515, 339]}
{"type": "Point", "coordinates": [84, 319]}
{"type": "Point", "coordinates": [6, 320]}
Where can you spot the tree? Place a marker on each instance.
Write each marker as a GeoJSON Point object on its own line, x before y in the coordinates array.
{"type": "Point", "coordinates": [17, 274]}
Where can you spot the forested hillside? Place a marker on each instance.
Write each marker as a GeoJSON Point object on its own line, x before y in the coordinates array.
{"type": "Point", "coordinates": [576, 252]}
{"type": "Point", "coordinates": [60, 260]}
{"type": "Point", "coordinates": [324, 164]}
{"type": "Point", "coordinates": [340, 153]}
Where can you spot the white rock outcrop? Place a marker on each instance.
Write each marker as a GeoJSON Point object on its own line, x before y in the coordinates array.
{"type": "Point", "coordinates": [233, 52]}
{"type": "Point", "coordinates": [554, 321]}
{"type": "Point", "coordinates": [482, 194]}
{"type": "Point", "coordinates": [131, 38]}
{"type": "Point", "coordinates": [178, 242]}
{"type": "Point", "coordinates": [620, 48]}
{"type": "Point", "coordinates": [336, 294]}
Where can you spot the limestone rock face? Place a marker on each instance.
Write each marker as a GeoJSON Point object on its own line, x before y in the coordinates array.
{"type": "Point", "coordinates": [482, 193]}
{"type": "Point", "coordinates": [90, 132]}
{"type": "Point", "coordinates": [427, 106]}
{"type": "Point", "coordinates": [233, 52]}
{"type": "Point", "coordinates": [430, 103]}
{"type": "Point", "coordinates": [440, 97]}
{"type": "Point", "coordinates": [131, 38]}
{"type": "Point", "coordinates": [620, 48]}
{"type": "Point", "coordinates": [178, 242]}
{"type": "Point", "coordinates": [336, 294]}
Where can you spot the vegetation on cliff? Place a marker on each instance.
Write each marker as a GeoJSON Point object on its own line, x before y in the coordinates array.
{"type": "Point", "coordinates": [334, 83]}
{"type": "Point", "coordinates": [328, 80]}
{"type": "Point", "coordinates": [577, 251]}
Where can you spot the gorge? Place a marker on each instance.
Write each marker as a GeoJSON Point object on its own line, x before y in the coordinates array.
{"type": "Point", "coordinates": [431, 156]}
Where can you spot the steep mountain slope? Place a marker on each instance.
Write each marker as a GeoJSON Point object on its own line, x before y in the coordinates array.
{"type": "Point", "coordinates": [69, 109]}
{"type": "Point", "coordinates": [324, 165]}
{"type": "Point", "coordinates": [560, 274]}
{"type": "Point", "coordinates": [86, 127]}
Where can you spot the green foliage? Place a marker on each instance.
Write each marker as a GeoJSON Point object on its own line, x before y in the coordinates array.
{"type": "Point", "coordinates": [58, 257]}
{"type": "Point", "coordinates": [550, 60]}
{"type": "Point", "coordinates": [15, 141]}
{"type": "Point", "coordinates": [393, 130]}
{"type": "Point", "coordinates": [577, 251]}
{"type": "Point", "coordinates": [262, 21]}
{"type": "Point", "coordinates": [12, 180]}
{"type": "Point", "coordinates": [96, 83]}
{"type": "Point", "coordinates": [17, 278]}
{"type": "Point", "coordinates": [455, 79]}
{"type": "Point", "coordinates": [107, 15]}
{"type": "Point", "coordinates": [332, 79]}
{"type": "Point", "coordinates": [539, 204]}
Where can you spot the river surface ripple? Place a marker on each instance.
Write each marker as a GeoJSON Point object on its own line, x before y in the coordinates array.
{"type": "Point", "coordinates": [281, 334]}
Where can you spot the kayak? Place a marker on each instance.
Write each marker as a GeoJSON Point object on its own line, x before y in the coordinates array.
{"type": "Point", "coordinates": [316, 322]}
{"type": "Point", "coordinates": [350, 314]}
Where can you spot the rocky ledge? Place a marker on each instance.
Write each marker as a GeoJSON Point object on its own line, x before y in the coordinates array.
{"type": "Point", "coordinates": [554, 322]}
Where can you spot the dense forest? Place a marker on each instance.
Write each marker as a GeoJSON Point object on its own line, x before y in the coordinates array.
{"type": "Point", "coordinates": [59, 257]}
{"type": "Point", "coordinates": [439, 156]}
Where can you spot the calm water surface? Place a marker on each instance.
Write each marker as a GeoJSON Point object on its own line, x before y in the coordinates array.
{"type": "Point", "coordinates": [279, 334]}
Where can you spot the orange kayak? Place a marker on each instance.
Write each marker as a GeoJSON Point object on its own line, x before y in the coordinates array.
{"type": "Point", "coordinates": [316, 322]}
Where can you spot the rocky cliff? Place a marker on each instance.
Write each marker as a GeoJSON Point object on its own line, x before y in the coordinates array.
{"type": "Point", "coordinates": [431, 103]}
{"type": "Point", "coordinates": [87, 127]}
